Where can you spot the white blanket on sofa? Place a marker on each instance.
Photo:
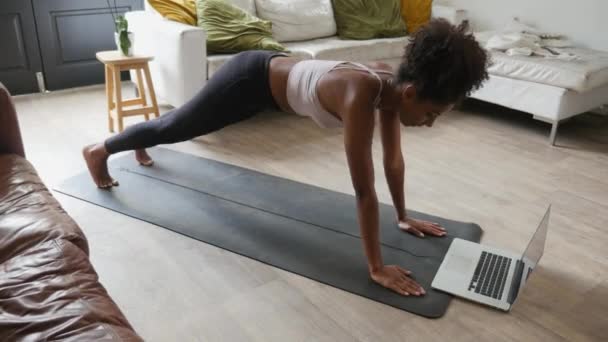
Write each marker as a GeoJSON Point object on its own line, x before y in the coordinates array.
{"type": "Point", "coordinates": [518, 39]}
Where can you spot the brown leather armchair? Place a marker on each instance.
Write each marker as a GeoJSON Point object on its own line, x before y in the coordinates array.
{"type": "Point", "coordinates": [48, 288]}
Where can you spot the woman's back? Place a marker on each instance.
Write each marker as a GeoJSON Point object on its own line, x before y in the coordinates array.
{"type": "Point", "coordinates": [296, 84]}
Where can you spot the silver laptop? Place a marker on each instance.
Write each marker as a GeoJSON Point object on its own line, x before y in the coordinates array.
{"type": "Point", "coordinates": [489, 275]}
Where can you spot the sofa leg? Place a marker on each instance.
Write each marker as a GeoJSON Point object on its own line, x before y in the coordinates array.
{"type": "Point", "coordinates": [553, 132]}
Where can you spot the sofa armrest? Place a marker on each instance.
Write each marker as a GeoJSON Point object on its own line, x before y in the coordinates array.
{"type": "Point", "coordinates": [452, 14]}
{"type": "Point", "coordinates": [179, 68]}
{"type": "Point", "coordinates": [10, 135]}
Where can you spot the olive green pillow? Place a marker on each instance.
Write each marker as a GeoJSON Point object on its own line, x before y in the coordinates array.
{"type": "Point", "coordinates": [367, 19]}
{"type": "Point", "coordinates": [230, 29]}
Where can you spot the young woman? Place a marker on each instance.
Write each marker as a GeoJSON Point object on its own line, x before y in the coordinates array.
{"type": "Point", "coordinates": [442, 64]}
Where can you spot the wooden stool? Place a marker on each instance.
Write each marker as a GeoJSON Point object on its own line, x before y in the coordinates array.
{"type": "Point", "coordinates": [114, 63]}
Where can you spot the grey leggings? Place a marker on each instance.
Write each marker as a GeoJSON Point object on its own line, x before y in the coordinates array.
{"type": "Point", "coordinates": [236, 92]}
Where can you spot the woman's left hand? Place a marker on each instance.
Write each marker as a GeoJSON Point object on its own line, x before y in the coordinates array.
{"type": "Point", "coordinates": [420, 228]}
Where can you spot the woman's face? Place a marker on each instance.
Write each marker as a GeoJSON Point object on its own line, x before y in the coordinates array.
{"type": "Point", "coordinates": [416, 112]}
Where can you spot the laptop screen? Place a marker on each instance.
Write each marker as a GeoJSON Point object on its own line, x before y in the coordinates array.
{"type": "Point", "coordinates": [535, 250]}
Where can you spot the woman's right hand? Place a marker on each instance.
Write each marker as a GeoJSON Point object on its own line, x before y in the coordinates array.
{"type": "Point", "coordinates": [397, 279]}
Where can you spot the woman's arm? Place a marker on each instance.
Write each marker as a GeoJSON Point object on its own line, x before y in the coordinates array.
{"type": "Point", "coordinates": [394, 167]}
{"type": "Point", "coordinates": [358, 136]}
{"type": "Point", "coordinates": [394, 170]}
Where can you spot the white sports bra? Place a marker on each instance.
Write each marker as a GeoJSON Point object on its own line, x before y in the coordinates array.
{"type": "Point", "coordinates": [302, 88]}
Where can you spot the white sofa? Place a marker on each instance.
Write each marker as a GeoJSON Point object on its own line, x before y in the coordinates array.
{"type": "Point", "coordinates": [306, 27]}
{"type": "Point", "coordinates": [551, 90]}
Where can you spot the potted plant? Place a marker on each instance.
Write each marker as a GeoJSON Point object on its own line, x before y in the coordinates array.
{"type": "Point", "coordinates": [122, 37]}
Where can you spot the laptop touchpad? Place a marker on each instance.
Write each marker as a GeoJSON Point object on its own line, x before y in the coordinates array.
{"type": "Point", "coordinates": [459, 263]}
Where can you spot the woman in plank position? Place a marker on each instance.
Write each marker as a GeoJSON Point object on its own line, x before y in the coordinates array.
{"type": "Point", "coordinates": [442, 64]}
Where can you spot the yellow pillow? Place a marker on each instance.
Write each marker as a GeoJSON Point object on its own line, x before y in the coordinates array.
{"type": "Point", "coordinates": [183, 11]}
{"type": "Point", "coordinates": [191, 4]}
{"type": "Point", "coordinates": [416, 13]}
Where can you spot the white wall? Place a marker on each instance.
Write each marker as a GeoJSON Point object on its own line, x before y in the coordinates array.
{"type": "Point", "coordinates": [583, 21]}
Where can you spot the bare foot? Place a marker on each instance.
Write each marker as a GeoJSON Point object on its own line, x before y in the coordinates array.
{"type": "Point", "coordinates": [96, 157]}
{"type": "Point", "coordinates": [143, 157]}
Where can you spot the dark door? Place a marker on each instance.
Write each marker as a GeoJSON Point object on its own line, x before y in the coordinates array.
{"type": "Point", "coordinates": [70, 33]}
{"type": "Point", "coordinates": [19, 53]}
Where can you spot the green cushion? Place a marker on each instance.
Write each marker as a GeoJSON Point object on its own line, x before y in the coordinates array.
{"type": "Point", "coordinates": [368, 19]}
{"type": "Point", "coordinates": [230, 29]}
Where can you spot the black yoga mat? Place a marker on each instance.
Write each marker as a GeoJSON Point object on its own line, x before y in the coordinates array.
{"type": "Point", "coordinates": [297, 227]}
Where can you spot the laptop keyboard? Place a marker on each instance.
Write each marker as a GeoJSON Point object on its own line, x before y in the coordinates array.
{"type": "Point", "coordinates": [490, 275]}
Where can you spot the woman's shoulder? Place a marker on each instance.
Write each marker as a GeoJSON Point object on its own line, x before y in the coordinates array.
{"type": "Point", "coordinates": [380, 66]}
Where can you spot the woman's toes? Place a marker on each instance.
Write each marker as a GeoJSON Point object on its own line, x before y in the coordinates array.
{"type": "Point", "coordinates": [105, 184]}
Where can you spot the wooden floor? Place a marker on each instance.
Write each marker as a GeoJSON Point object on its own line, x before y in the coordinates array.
{"type": "Point", "coordinates": [481, 163]}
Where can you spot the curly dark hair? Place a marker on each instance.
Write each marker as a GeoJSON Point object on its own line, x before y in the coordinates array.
{"type": "Point", "coordinates": [443, 62]}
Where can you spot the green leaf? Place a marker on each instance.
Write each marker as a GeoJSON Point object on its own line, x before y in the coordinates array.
{"type": "Point", "coordinates": [125, 43]}
{"type": "Point", "coordinates": [121, 24]}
